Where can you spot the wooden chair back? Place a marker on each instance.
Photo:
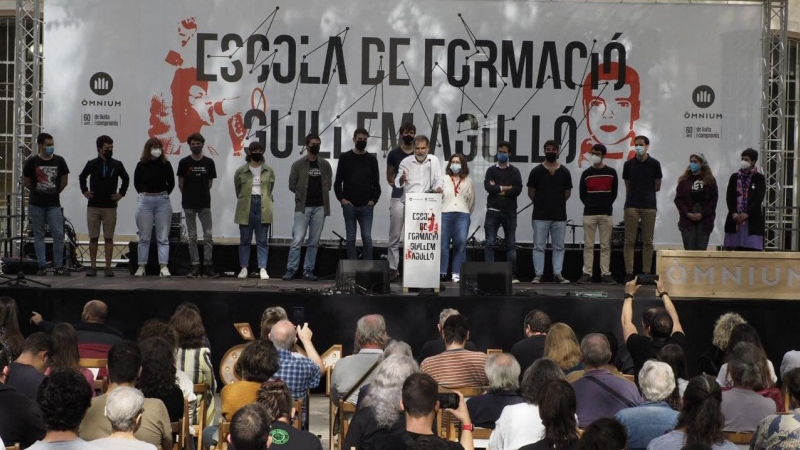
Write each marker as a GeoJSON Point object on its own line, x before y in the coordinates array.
{"type": "Point", "coordinates": [494, 351]}
{"type": "Point", "coordinates": [346, 411]}
{"type": "Point", "coordinates": [224, 431]}
{"type": "Point", "coordinates": [738, 438]}
{"type": "Point", "coordinates": [297, 421]}
{"type": "Point", "coordinates": [629, 377]}
{"type": "Point", "coordinates": [100, 383]}
{"type": "Point", "coordinates": [482, 433]}
{"type": "Point", "coordinates": [447, 425]}
{"type": "Point", "coordinates": [14, 447]}
{"type": "Point", "coordinates": [201, 391]}
{"type": "Point", "coordinates": [180, 429]}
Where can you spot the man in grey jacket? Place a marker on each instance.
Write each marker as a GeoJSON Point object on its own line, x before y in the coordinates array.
{"type": "Point", "coordinates": [310, 179]}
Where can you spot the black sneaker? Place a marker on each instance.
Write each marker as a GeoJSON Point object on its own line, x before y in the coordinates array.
{"type": "Point", "coordinates": [92, 272]}
{"type": "Point", "coordinates": [194, 272]}
{"type": "Point", "coordinates": [585, 279]}
{"type": "Point", "coordinates": [394, 276]}
{"type": "Point", "coordinates": [288, 276]}
{"type": "Point", "coordinates": [308, 276]}
{"type": "Point", "coordinates": [62, 272]}
{"type": "Point", "coordinates": [42, 272]}
{"type": "Point", "coordinates": [209, 272]}
{"type": "Point", "coordinates": [608, 280]}
{"type": "Point", "coordinates": [108, 272]}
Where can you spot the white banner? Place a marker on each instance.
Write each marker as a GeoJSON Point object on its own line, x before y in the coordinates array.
{"type": "Point", "coordinates": [422, 246]}
{"type": "Point", "coordinates": [467, 73]}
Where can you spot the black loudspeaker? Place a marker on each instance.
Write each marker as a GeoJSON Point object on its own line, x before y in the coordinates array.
{"type": "Point", "coordinates": [484, 278]}
{"type": "Point", "coordinates": [367, 277]}
{"type": "Point", "coordinates": [12, 266]}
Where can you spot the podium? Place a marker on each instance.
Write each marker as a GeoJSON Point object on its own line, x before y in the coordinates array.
{"type": "Point", "coordinates": [422, 241]}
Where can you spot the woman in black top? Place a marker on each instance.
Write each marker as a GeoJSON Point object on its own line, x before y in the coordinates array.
{"type": "Point", "coordinates": [158, 376]}
{"type": "Point", "coordinates": [154, 180]}
{"type": "Point", "coordinates": [557, 406]}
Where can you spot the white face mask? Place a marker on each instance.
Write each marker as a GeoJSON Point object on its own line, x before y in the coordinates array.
{"type": "Point", "coordinates": [595, 159]}
{"type": "Point", "coordinates": [745, 165]}
{"type": "Point", "coordinates": [155, 152]}
{"type": "Point", "coordinates": [640, 150]}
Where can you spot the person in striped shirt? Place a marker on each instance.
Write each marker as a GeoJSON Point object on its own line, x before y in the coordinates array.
{"type": "Point", "coordinates": [457, 367]}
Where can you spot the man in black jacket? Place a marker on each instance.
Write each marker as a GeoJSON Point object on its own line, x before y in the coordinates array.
{"type": "Point", "coordinates": [503, 183]}
{"type": "Point", "coordinates": [104, 173]}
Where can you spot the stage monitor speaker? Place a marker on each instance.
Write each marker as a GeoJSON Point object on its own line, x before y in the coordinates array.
{"type": "Point", "coordinates": [484, 278]}
{"type": "Point", "coordinates": [370, 276]}
{"type": "Point", "coordinates": [12, 266]}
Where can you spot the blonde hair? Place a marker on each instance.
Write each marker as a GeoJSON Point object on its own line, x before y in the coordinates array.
{"type": "Point", "coordinates": [562, 346]}
{"type": "Point", "coordinates": [724, 327]}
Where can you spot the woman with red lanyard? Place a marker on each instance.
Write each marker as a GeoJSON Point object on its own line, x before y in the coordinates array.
{"type": "Point", "coordinates": [457, 205]}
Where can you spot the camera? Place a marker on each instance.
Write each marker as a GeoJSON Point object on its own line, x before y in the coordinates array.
{"type": "Point", "coordinates": [646, 279]}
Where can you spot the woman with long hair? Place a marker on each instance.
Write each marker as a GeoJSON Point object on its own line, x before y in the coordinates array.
{"type": "Point", "coordinates": [193, 354]}
{"type": "Point", "coordinates": [712, 359]}
{"type": "Point", "coordinates": [158, 376]}
{"type": "Point", "coordinates": [521, 424]}
{"type": "Point", "coordinates": [746, 333]}
{"type": "Point", "coordinates": [154, 180]}
{"type": "Point", "coordinates": [561, 345]}
{"type": "Point", "coordinates": [674, 355]}
{"type": "Point", "coordinates": [604, 434]}
{"type": "Point", "coordinates": [65, 352]}
{"type": "Point", "coordinates": [696, 197]}
{"type": "Point", "coordinates": [10, 337]}
{"type": "Point", "coordinates": [701, 420]}
{"type": "Point", "coordinates": [380, 412]}
{"type": "Point", "coordinates": [744, 226]}
{"type": "Point", "coordinates": [458, 201]}
{"type": "Point", "coordinates": [557, 407]}
{"type": "Point", "coordinates": [742, 406]}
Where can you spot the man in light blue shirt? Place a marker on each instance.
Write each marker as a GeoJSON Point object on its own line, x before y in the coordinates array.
{"type": "Point", "coordinates": [655, 417]}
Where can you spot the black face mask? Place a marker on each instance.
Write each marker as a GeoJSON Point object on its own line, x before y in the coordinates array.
{"type": "Point", "coordinates": [256, 157]}
{"type": "Point", "coordinates": [196, 150]}
{"type": "Point", "coordinates": [109, 153]}
{"type": "Point", "coordinates": [361, 145]}
{"type": "Point", "coordinates": [551, 156]}
{"type": "Point", "coordinates": [314, 149]}
{"type": "Point", "coordinates": [408, 140]}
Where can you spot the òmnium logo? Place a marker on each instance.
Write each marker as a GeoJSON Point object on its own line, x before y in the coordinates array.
{"type": "Point", "coordinates": [703, 96]}
{"type": "Point", "coordinates": [101, 83]}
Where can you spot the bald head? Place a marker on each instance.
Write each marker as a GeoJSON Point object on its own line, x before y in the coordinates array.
{"type": "Point", "coordinates": [283, 335]}
{"type": "Point", "coordinates": [95, 311]}
{"type": "Point", "coordinates": [595, 350]}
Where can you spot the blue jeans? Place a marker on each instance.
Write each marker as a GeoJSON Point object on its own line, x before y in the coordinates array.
{"type": "Point", "coordinates": [556, 230]}
{"type": "Point", "coordinates": [311, 220]}
{"type": "Point", "coordinates": [455, 226]}
{"type": "Point", "coordinates": [261, 231]}
{"type": "Point", "coordinates": [360, 216]}
{"type": "Point", "coordinates": [53, 216]}
{"type": "Point", "coordinates": [494, 220]}
{"type": "Point", "coordinates": [153, 209]}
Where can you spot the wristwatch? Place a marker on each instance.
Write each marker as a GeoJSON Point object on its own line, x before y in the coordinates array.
{"type": "Point", "coordinates": [627, 296]}
{"type": "Point", "coordinates": [467, 427]}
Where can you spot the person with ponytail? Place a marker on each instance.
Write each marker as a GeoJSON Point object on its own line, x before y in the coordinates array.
{"type": "Point", "coordinates": [696, 198]}
{"type": "Point", "coordinates": [700, 422]}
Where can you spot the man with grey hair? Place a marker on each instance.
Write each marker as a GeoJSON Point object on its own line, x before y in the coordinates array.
{"type": "Point", "coordinates": [655, 417]}
{"type": "Point", "coordinates": [503, 373]}
{"type": "Point", "coordinates": [370, 339]}
{"type": "Point", "coordinates": [437, 346]}
{"type": "Point", "coordinates": [124, 408]}
{"type": "Point", "coordinates": [535, 327]}
{"type": "Point", "coordinates": [299, 372]}
{"type": "Point", "coordinates": [600, 394]}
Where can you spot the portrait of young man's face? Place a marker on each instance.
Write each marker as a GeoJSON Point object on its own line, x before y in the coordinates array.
{"type": "Point", "coordinates": [611, 113]}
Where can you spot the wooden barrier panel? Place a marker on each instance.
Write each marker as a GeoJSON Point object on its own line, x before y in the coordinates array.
{"type": "Point", "coordinates": [730, 275]}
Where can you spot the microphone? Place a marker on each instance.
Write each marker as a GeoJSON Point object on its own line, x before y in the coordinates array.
{"type": "Point", "coordinates": [385, 152]}
{"type": "Point", "coordinates": [303, 150]}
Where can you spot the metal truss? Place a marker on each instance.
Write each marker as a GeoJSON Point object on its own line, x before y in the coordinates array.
{"type": "Point", "coordinates": [777, 159]}
{"type": "Point", "coordinates": [27, 95]}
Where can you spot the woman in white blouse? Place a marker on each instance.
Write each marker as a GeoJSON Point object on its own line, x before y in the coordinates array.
{"type": "Point", "coordinates": [457, 206]}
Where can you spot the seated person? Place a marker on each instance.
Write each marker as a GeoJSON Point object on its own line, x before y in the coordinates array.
{"type": "Point", "coordinates": [742, 406]}
{"type": "Point", "coordinates": [655, 417]}
{"type": "Point", "coordinates": [457, 367]}
{"type": "Point", "coordinates": [124, 409]}
{"type": "Point", "coordinates": [503, 373]}
{"type": "Point", "coordinates": [250, 428]}
{"type": "Point", "coordinates": [63, 399]}
{"type": "Point", "coordinates": [436, 346]}
{"type": "Point", "coordinates": [275, 396]}
{"type": "Point", "coordinates": [782, 431]}
{"type": "Point", "coordinates": [27, 372]}
{"type": "Point", "coordinates": [19, 416]}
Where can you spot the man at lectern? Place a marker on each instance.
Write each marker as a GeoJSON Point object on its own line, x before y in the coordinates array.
{"type": "Point", "coordinates": [422, 173]}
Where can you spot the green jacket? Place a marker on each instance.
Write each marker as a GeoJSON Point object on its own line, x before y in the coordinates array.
{"type": "Point", "coordinates": [243, 183]}
{"type": "Point", "coordinates": [298, 183]}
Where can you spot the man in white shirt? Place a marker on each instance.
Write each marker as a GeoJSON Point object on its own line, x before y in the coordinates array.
{"type": "Point", "coordinates": [423, 172]}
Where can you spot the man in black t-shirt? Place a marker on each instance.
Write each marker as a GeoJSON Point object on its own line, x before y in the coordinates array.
{"type": "Point", "coordinates": [503, 184]}
{"type": "Point", "coordinates": [45, 175]}
{"type": "Point", "coordinates": [310, 179]}
{"type": "Point", "coordinates": [420, 404]}
{"type": "Point", "coordinates": [598, 190]}
{"type": "Point", "coordinates": [196, 174]}
{"type": "Point", "coordinates": [660, 327]}
{"type": "Point", "coordinates": [531, 348]}
{"type": "Point", "coordinates": [396, 206]}
{"type": "Point", "coordinates": [549, 187]}
{"type": "Point", "coordinates": [276, 397]}
{"type": "Point", "coordinates": [642, 177]}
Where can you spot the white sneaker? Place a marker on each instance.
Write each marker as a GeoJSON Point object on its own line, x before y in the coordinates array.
{"type": "Point", "coordinates": [140, 272]}
{"type": "Point", "coordinates": [164, 272]}
{"type": "Point", "coordinates": [515, 281]}
{"type": "Point", "coordinates": [263, 274]}
{"type": "Point", "coordinates": [242, 273]}
{"type": "Point", "coordinates": [456, 278]}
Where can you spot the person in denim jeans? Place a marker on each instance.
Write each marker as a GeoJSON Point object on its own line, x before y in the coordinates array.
{"type": "Point", "coordinates": [549, 187]}
{"type": "Point", "coordinates": [310, 179]}
{"type": "Point", "coordinates": [503, 183]}
{"type": "Point", "coordinates": [253, 183]}
{"type": "Point", "coordinates": [358, 189]}
{"type": "Point", "coordinates": [458, 201]}
{"type": "Point", "coordinates": [45, 175]}
{"type": "Point", "coordinates": [154, 180]}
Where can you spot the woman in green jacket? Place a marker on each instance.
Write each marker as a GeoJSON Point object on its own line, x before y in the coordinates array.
{"type": "Point", "coordinates": [254, 182]}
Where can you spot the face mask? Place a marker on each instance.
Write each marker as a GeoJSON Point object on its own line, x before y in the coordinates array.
{"type": "Point", "coordinates": [256, 157]}
{"type": "Point", "coordinates": [155, 152]}
{"type": "Point", "coordinates": [109, 153]}
{"type": "Point", "coordinates": [595, 159]}
{"type": "Point", "coordinates": [551, 156]}
{"type": "Point", "coordinates": [455, 168]}
{"type": "Point", "coordinates": [745, 165]}
{"type": "Point", "coordinates": [502, 158]}
{"type": "Point", "coordinates": [640, 150]}
{"type": "Point", "coordinates": [408, 140]}
{"type": "Point", "coordinates": [694, 167]}
{"type": "Point", "coordinates": [49, 150]}
{"type": "Point", "coordinates": [196, 150]}
{"type": "Point", "coordinates": [314, 149]}
{"type": "Point", "coordinates": [361, 145]}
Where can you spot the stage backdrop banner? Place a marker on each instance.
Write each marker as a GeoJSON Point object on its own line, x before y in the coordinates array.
{"type": "Point", "coordinates": [422, 249]}
{"type": "Point", "coordinates": [467, 73]}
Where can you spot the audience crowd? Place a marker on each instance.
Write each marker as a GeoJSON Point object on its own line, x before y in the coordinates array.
{"type": "Point", "coordinates": [552, 391]}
